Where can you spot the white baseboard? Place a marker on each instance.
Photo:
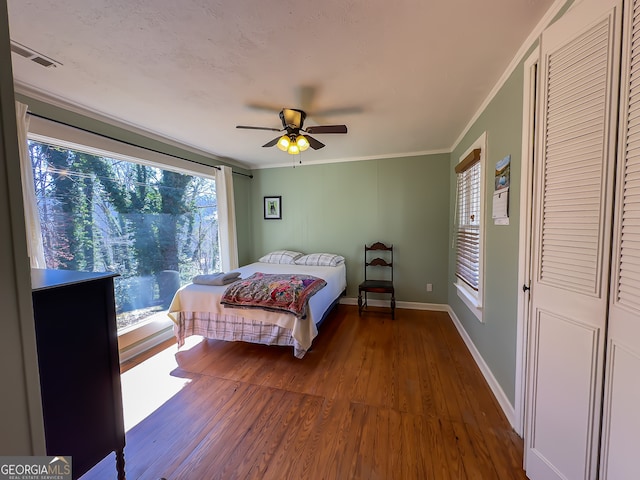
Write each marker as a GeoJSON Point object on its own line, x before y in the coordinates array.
{"type": "Point", "coordinates": [495, 387]}
{"type": "Point", "coordinates": [436, 307]}
{"type": "Point", "coordinates": [501, 397]}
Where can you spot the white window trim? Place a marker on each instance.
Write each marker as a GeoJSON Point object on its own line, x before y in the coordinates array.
{"type": "Point", "coordinates": [158, 327]}
{"type": "Point", "coordinates": [472, 299]}
{"type": "Point", "coordinates": [47, 131]}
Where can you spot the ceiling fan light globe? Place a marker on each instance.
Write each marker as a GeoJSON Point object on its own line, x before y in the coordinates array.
{"type": "Point", "coordinates": [293, 149]}
{"type": "Point", "coordinates": [302, 143]}
{"type": "Point", "coordinates": [283, 143]}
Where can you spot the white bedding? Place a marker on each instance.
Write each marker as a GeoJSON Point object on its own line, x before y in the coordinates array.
{"type": "Point", "coordinates": [196, 308]}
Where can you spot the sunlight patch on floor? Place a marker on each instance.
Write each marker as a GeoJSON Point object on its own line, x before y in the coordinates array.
{"type": "Point", "coordinates": [149, 385]}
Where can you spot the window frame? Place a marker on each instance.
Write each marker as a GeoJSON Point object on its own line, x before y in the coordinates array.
{"type": "Point", "coordinates": [472, 298]}
{"type": "Point", "coordinates": [159, 327]}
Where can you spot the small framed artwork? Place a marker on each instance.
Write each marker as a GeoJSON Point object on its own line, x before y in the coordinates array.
{"type": "Point", "coordinates": [273, 208]}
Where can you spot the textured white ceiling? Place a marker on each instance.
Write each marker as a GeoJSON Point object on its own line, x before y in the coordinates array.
{"type": "Point", "coordinates": [405, 76]}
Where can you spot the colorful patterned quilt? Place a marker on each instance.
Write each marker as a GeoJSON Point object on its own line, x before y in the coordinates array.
{"type": "Point", "coordinates": [274, 292]}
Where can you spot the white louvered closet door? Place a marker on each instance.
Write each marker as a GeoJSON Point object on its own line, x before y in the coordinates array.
{"type": "Point", "coordinates": [621, 413]}
{"type": "Point", "coordinates": [572, 240]}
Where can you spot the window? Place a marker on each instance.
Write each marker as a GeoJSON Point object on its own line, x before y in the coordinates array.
{"type": "Point", "coordinates": [469, 226]}
{"type": "Point", "coordinates": [154, 223]}
{"type": "Point", "coordinates": [157, 228]}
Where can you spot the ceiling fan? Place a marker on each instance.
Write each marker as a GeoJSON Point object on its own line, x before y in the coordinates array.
{"type": "Point", "coordinates": [297, 139]}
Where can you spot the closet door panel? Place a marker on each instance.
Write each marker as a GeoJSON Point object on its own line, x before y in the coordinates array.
{"type": "Point", "coordinates": [555, 335]}
{"type": "Point", "coordinates": [621, 414]}
{"type": "Point", "coordinates": [572, 240]}
{"type": "Point", "coordinates": [621, 421]}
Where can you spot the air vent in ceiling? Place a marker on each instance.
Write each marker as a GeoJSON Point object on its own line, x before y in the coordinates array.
{"type": "Point", "coordinates": [32, 55]}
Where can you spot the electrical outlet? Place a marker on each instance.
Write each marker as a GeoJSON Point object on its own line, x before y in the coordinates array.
{"type": "Point", "coordinates": [429, 287]}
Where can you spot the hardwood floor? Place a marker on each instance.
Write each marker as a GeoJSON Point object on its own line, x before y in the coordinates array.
{"type": "Point", "coordinates": [373, 399]}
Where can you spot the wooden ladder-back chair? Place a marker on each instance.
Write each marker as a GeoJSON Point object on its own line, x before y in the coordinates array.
{"type": "Point", "coordinates": [378, 258]}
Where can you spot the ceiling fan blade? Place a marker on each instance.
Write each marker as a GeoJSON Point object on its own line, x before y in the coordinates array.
{"type": "Point", "coordinates": [306, 96]}
{"type": "Point", "coordinates": [264, 107]}
{"type": "Point", "coordinates": [272, 142]}
{"type": "Point", "coordinates": [333, 112]}
{"type": "Point", "coordinates": [313, 143]}
{"type": "Point", "coordinates": [259, 128]}
{"type": "Point", "coordinates": [327, 129]}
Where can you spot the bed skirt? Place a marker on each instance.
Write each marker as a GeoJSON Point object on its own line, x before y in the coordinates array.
{"type": "Point", "coordinates": [233, 328]}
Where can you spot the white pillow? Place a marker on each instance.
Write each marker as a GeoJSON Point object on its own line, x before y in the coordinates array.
{"type": "Point", "coordinates": [281, 256]}
{"type": "Point", "coordinates": [320, 260]}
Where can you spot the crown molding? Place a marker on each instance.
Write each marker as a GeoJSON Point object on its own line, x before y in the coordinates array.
{"type": "Point", "coordinates": [352, 159]}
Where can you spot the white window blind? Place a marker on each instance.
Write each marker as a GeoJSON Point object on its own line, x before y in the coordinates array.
{"type": "Point", "coordinates": [468, 219]}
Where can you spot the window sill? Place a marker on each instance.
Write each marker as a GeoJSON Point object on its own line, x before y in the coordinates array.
{"type": "Point", "coordinates": [138, 333]}
{"type": "Point", "coordinates": [470, 301]}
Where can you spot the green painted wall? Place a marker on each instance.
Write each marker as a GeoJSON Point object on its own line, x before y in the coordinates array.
{"type": "Point", "coordinates": [241, 184]}
{"type": "Point", "coordinates": [495, 339]}
{"type": "Point", "coordinates": [339, 207]}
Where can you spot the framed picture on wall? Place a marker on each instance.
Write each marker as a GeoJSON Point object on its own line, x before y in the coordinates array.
{"type": "Point", "coordinates": [273, 208]}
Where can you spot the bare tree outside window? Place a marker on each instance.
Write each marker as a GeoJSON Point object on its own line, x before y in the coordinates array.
{"type": "Point", "coordinates": [155, 227]}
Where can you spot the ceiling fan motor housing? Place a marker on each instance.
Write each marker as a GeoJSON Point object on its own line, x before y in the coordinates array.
{"type": "Point", "coordinates": [292, 117]}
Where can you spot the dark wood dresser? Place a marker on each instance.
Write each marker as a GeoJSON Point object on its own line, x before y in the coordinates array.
{"type": "Point", "coordinates": [77, 343]}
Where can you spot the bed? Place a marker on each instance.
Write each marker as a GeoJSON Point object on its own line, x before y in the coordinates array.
{"type": "Point", "coordinates": [196, 309]}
